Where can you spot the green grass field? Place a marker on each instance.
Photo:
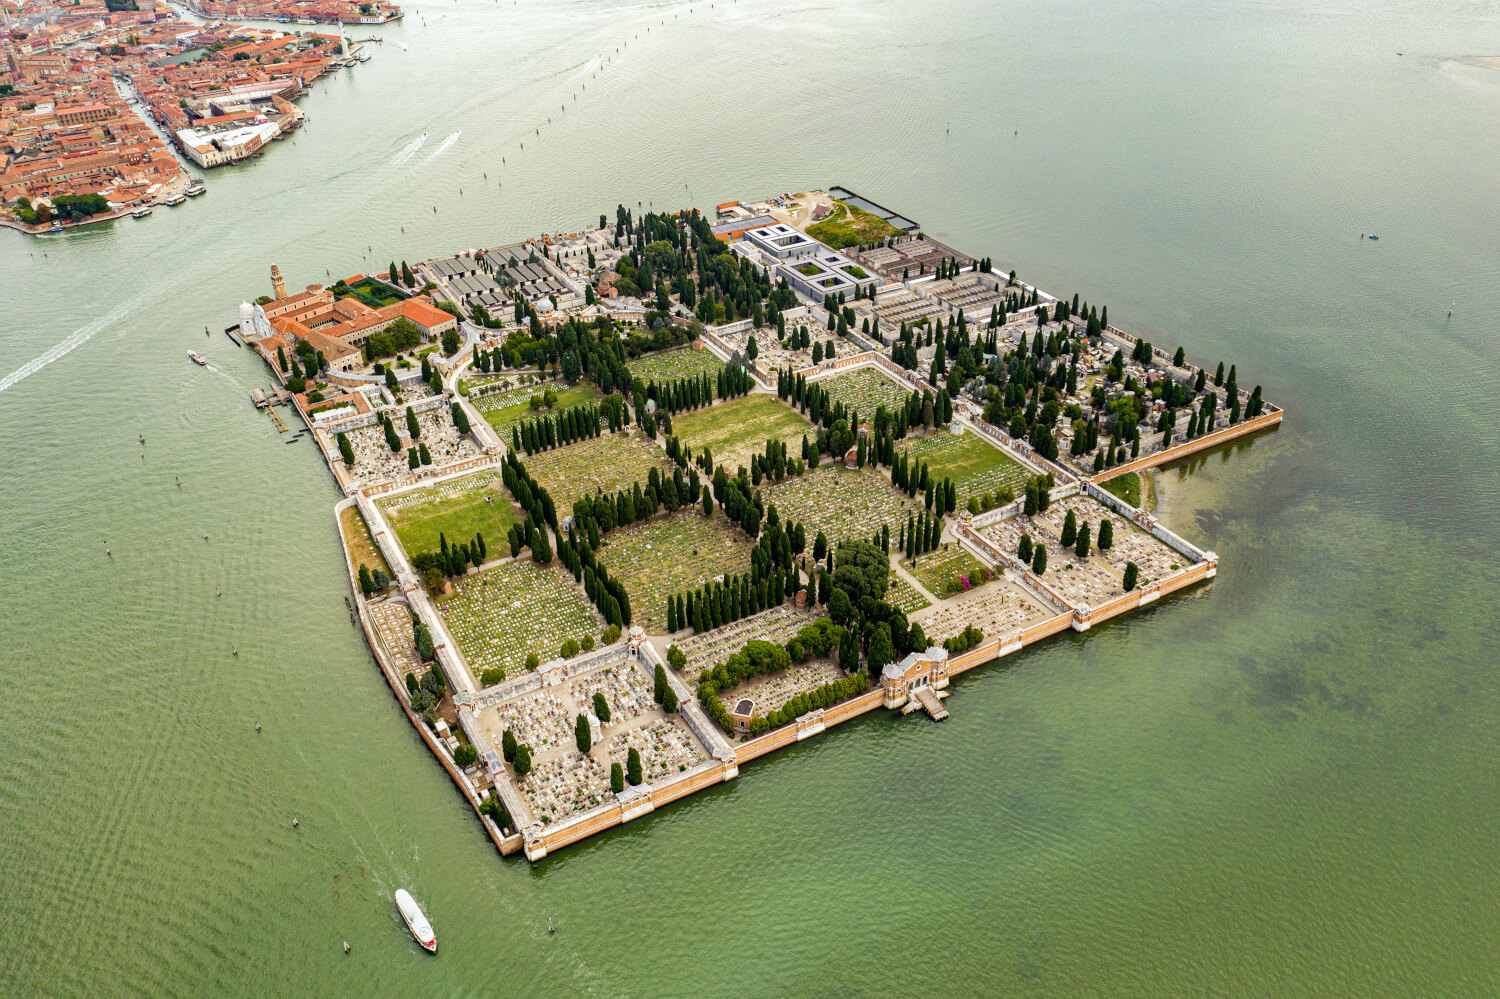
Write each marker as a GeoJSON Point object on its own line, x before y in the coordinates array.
{"type": "Point", "coordinates": [1127, 487]}
{"type": "Point", "coordinates": [847, 226]}
{"type": "Point", "coordinates": [610, 462]}
{"type": "Point", "coordinates": [974, 465]}
{"type": "Point", "coordinates": [456, 509]}
{"type": "Point", "coordinates": [676, 363]}
{"type": "Point", "coordinates": [501, 615]}
{"type": "Point", "coordinates": [736, 429]}
{"type": "Point", "coordinates": [504, 410]}
{"type": "Point", "coordinates": [669, 555]}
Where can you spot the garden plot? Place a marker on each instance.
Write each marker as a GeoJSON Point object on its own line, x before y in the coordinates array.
{"type": "Point", "coordinates": [995, 610]}
{"type": "Point", "coordinates": [503, 410]}
{"type": "Point", "coordinates": [901, 594]}
{"type": "Point", "coordinates": [664, 744]}
{"type": "Point", "coordinates": [771, 693]}
{"type": "Point", "coordinates": [865, 389]}
{"type": "Point", "coordinates": [557, 788]}
{"type": "Point", "coordinates": [976, 467]}
{"type": "Point", "coordinates": [393, 622]}
{"type": "Point", "coordinates": [457, 509]}
{"type": "Point", "coordinates": [665, 556]}
{"type": "Point", "coordinates": [948, 570]}
{"type": "Point", "coordinates": [376, 462]}
{"type": "Point", "coordinates": [500, 616]}
{"type": "Point", "coordinates": [610, 462]}
{"type": "Point", "coordinates": [1100, 576]}
{"type": "Point", "coordinates": [707, 649]}
{"type": "Point", "coordinates": [625, 687]}
{"type": "Point", "coordinates": [844, 503]}
{"type": "Point", "coordinates": [739, 428]}
{"type": "Point", "coordinates": [670, 364]}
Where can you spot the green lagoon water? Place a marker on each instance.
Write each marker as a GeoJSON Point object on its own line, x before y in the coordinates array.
{"type": "Point", "coordinates": [1279, 784]}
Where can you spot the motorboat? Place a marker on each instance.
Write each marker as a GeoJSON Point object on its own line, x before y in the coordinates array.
{"type": "Point", "coordinates": [197, 358]}
{"type": "Point", "coordinates": [1373, 236]}
{"type": "Point", "coordinates": [195, 188]}
{"type": "Point", "coordinates": [175, 199]}
{"type": "Point", "coordinates": [416, 921]}
{"type": "Point", "coordinates": [141, 213]}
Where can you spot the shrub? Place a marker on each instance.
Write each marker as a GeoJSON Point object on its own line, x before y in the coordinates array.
{"type": "Point", "coordinates": [492, 676]}
{"type": "Point", "coordinates": [465, 755]}
{"type": "Point", "coordinates": [522, 762]}
{"type": "Point", "coordinates": [569, 649]}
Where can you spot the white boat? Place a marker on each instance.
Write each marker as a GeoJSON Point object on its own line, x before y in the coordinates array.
{"type": "Point", "coordinates": [175, 199]}
{"type": "Point", "coordinates": [140, 213]}
{"type": "Point", "coordinates": [415, 920]}
{"type": "Point", "coordinates": [197, 358]}
{"type": "Point", "coordinates": [194, 189]}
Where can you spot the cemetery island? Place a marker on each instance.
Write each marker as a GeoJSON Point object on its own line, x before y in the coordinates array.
{"type": "Point", "coordinates": [630, 506]}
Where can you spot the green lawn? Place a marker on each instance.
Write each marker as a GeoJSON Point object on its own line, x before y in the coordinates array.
{"type": "Point", "coordinates": [504, 410]}
{"type": "Point", "coordinates": [669, 555]}
{"type": "Point", "coordinates": [1127, 487]}
{"type": "Point", "coordinates": [975, 466]}
{"type": "Point", "coordinates": [677, 363]}
{"type": "Point", "coordinates": [456, 509]}
{"type": "Point", "coordinates": [736, 429]}
{"type": "Point", "coordinates": [847, 226]}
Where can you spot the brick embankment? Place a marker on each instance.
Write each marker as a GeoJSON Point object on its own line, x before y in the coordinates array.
{"type": "Point", "coordinates": [1183, 450]}
{"type": "Point", "coordinates": [506, 845]}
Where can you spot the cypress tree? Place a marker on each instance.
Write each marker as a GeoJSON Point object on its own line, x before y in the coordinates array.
{"type": "Point", "coordinates": [1132, 573]}
{"type": "Point", "coordinates": [1039, 560]}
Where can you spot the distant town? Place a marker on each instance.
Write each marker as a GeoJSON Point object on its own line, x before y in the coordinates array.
{"type": "Point", "coordinates": [103, 105]}
{"type": "Point", "coordinates": [629, 506]}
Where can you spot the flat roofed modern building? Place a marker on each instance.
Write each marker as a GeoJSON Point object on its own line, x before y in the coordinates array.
{"type": "Point", "coordinates": [782, 241]}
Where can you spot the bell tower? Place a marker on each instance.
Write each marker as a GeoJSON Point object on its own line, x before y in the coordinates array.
{"type": "Point", "coordinates": [278, 285]}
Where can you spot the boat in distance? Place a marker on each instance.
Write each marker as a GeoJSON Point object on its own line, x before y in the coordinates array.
{"type": "Point", "coordinates": [415, 920]}
{"type": "Point", "coordinates": [197, 358]}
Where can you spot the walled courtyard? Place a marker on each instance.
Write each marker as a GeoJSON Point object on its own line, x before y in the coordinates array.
{"type": "Point", "coordinates": [375, 462]}
{"type": "Point", "coordinates": [997, 609]}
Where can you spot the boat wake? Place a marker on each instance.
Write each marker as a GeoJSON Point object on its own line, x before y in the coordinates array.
{"type": "Point", "coordinates": [448, 142]}
{"type": "Point", "coordinates": [78, 338]}
{"type": "Point", "coordinates": [409, 150]}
